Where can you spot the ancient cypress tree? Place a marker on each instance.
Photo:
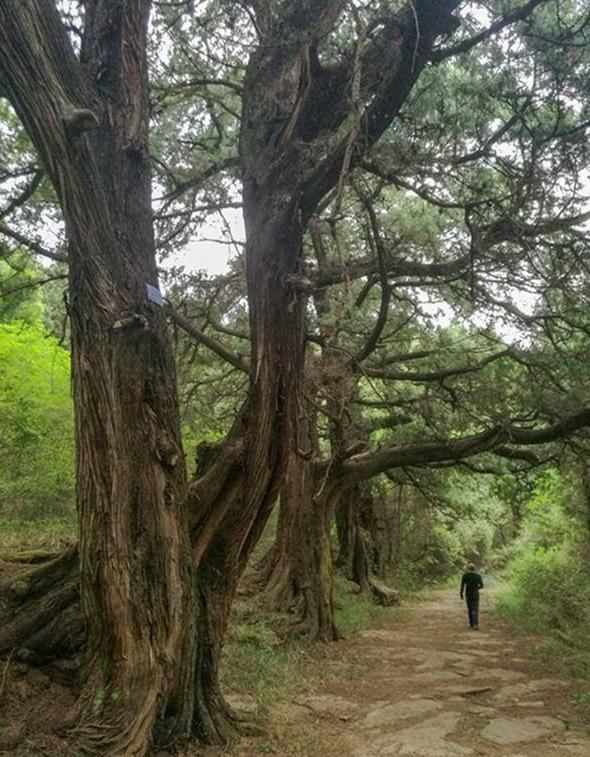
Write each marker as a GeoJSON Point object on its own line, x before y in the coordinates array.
{"type": "Point", "coordinates": [308, 118]}
{"type": "Point", "coordinates": [87, 115]}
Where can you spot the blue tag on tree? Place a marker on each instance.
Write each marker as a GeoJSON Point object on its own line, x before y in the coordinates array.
{"type": "Point", "coordinates": [154, 295]}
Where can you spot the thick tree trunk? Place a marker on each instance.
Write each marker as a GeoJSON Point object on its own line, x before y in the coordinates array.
{"type": "Point", "coordinates": [379, 522]}
{"type": "Point", "coordinates": [353, 548]}
{"type": "Point", "coordinates": [136, 581]}
{"type": "Point", "coordinates": [297, 572]}
{"type": "Point", "coordinates": [233, 514]}
{"type": "Point", "coordinates": [316, 573]}
{"type": "Point", "coordinates": [278, 569]}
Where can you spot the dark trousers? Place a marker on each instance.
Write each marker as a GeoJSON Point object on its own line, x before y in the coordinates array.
{"type": "Point", "coordinates": [473, 611]}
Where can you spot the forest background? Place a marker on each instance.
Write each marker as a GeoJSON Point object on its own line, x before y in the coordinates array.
{"type": "Point", "coordinates": [396, 356]}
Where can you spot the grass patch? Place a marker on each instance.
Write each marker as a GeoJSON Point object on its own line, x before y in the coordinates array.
{"type": "Point", "coordinates": [257, 663]}
{"type": "Point", "coordinates": [47, 533]}
{"type": "Point", "coordinates": [355, 612]}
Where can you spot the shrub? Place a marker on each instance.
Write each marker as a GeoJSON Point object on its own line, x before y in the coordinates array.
{"type": "Point", "coordinates": [36, 425]}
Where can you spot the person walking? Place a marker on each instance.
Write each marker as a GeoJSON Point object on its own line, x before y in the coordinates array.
{"type": "Point", "coordinates": [471, 583]}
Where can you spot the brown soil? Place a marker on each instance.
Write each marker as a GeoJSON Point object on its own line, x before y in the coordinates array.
{"type": "Point", "coordinates": [428, 686]}
{"type": "Point", "coordinates": [34, 704]}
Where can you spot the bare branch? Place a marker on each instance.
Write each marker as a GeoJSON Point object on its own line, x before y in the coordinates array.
{"type": "Point", "coordinates": [32, 244]}
{"type": "Point", "coordinates": [31, 284]}
{"type": "Point", "coordinates": [197, 181]}
{"type": "Point", "coordinates": [25, 195]}
{"type": "Point", "coordinates": [435, 376]}
{"type": "Point", "coordinates": [215, 346]}
{"type": "Point", "coordinates": [468, 44]}
{"type": "Point", "coordinates": [379, 325]}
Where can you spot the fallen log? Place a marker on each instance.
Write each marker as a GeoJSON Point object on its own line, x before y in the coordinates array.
{"type": "Point", "coordinates": [382, 594]}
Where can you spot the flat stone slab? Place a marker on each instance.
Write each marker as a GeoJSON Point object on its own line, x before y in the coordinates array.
{"type": "Point", "coordinates": [475, 671]}
{"type": "Point", "coordinates": [481, 710]}
{"type": "Point", "coordinates": [431, 660]}
{"type": "Point", "coordinates": [242, 703]}
{"type": "Point", "coordinates": [387, 715]}
{"type": "Point", "coordinates": [579, 748]}
{"type": "Point", "coordinates": [288, 712]}
{"type": "Point", "coordinates": [328, 705]}
{"type": "Point", "coordinates": [502, 674]}
{"type": "Point", "coordinates": [505, 731]}
{"type": "Point", "coordinates": [489, 654]}
{"type": "Point", "coordinates": [527, 689]}
{"type": "Point", "coordinates": [426, 739]}
{"type": "Point", "coordinates": [484, 639]}
{"type": "Point", "coordinates": [380, 635]}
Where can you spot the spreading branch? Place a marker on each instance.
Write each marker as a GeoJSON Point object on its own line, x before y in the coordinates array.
{"type": "Point", "coordinates": [371, 463]}
{"type": "Point", "coordinates": [468, 44]}
{"type": "Point", "coordinates": [435, 376]}
{"type": "Point", "coordinates": [32, 244]}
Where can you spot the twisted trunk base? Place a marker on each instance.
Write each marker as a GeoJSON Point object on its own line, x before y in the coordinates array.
{"type": "Point", "coordinates": [42, 619]}
{"type": "Point", "coordinates": [296, 574]}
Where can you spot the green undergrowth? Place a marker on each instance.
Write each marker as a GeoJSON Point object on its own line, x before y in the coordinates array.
{"type": "Point", "coordinates": [258, 664]}
{"type": "Point", "coordinates": [355, 612]}
{"type": "Point", "coordinates": [572, 661]}
{"type": "Point", "coordinates": [547, 576]}
{"type": "Point", "coordinates": [18, 535]}
{"type": "Point", "coordinates": [547, 593]}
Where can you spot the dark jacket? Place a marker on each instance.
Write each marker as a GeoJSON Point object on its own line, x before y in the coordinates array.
{"type": "Point", "coordinates": [471, 583]}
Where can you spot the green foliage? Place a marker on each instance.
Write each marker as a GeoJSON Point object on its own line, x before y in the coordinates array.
{"type": "Point", "coordinates": [444, 520]}
{"type": "Point", "coordinates": [18, 301]}
{"type": "Point", "coordinates": [23, 534]}
{"type": "Point", "coordinates": [548, 591]}
{"type": "Point", "coordinates": [36, 425]}
{"type": "Point", "coordinates": [255, 664]}
{"type": "Point", "coordinates": [549, 572]}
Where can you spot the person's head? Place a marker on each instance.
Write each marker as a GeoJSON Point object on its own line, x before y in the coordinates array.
{"type": "Point", "coordinates": [471, 567]}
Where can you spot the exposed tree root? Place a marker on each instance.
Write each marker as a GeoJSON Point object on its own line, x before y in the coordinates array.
{"type": "Point", "coordinates": [28, 556]}
{"type": "Point", "coordinates": [276, 582]}
{"type": "Point", "coordinates": [41, 609]}
{"type": "Point", "coordinates": [310, 629]}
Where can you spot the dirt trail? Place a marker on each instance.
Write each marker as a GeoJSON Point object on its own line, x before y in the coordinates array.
{"type": "Point", "coordinates": [427, 686]}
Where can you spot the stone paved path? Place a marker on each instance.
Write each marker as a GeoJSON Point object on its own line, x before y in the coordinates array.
{"type": "Point", "coordinates": [427, 686]}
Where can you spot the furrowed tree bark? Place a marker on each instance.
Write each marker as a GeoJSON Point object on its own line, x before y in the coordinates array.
{"type": "Point", "coordinates": [315, 569]}
{"type": "Point", "coordinates": [88, 120]}
{"type": "Point", "coordinates": [277, 572]}
{"type": "Point", "coordinates": [296, 574]}
{"type": "Point", "coordinates": [353, 547]}
{"type": "Point", "coordinates": [265, 429]}
{"type": "Point", "coordinates": [41, 610]}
